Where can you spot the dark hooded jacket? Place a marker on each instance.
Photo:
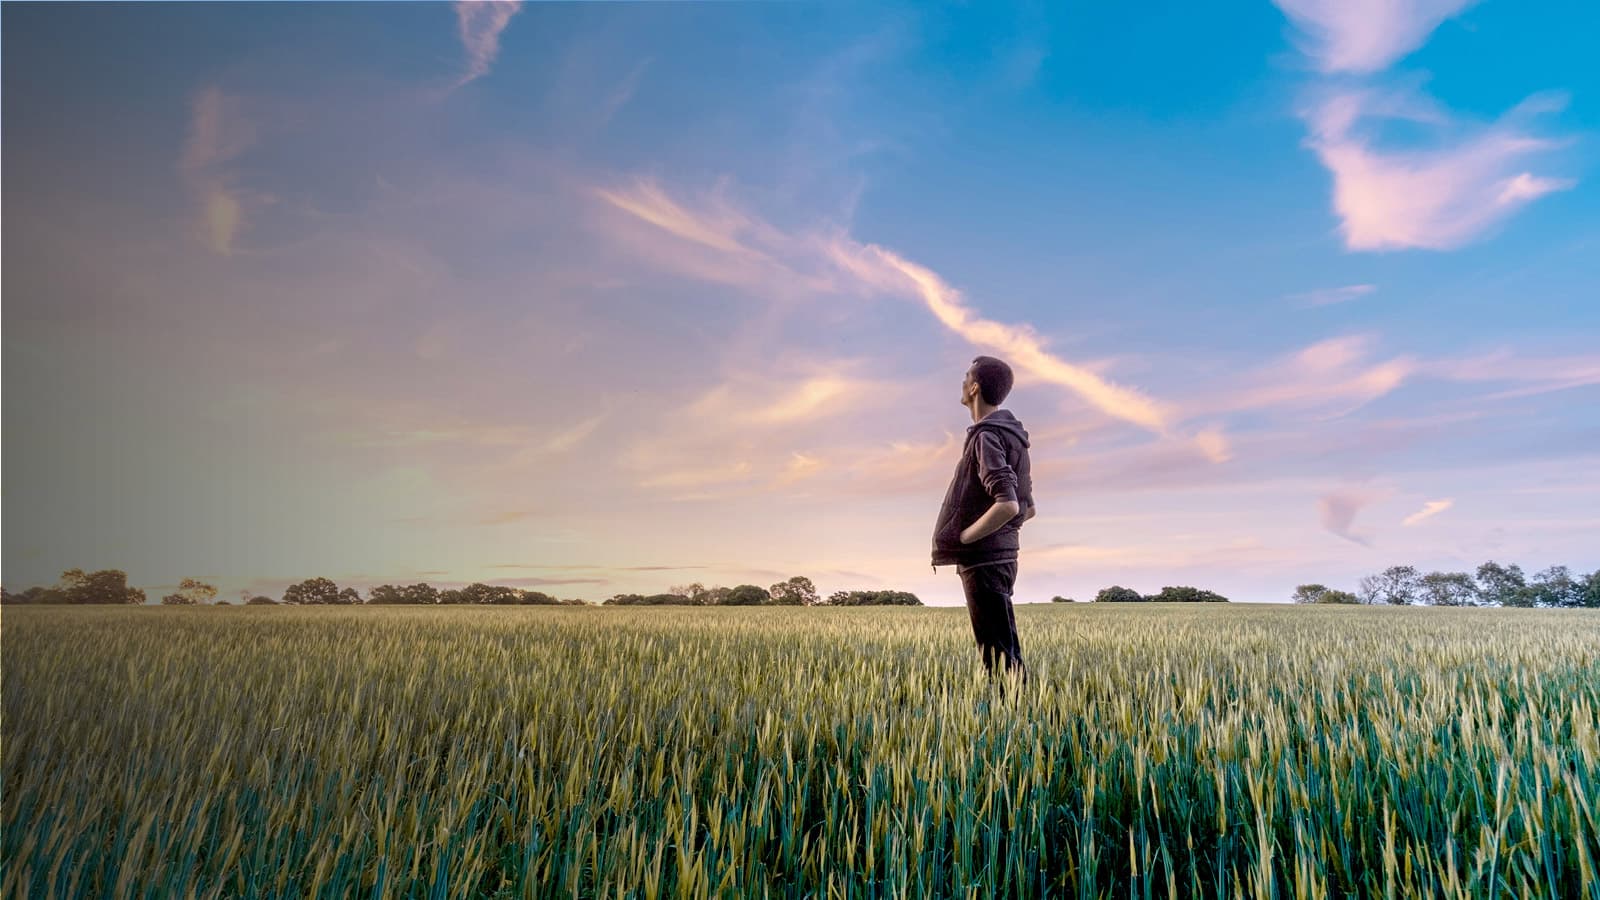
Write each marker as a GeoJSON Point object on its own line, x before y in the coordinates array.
{"type": "Point", "coordinates": [994, 467]}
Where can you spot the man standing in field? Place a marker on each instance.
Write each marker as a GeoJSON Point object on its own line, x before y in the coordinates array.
{"type": "Point", "coordinates": [981, 518]}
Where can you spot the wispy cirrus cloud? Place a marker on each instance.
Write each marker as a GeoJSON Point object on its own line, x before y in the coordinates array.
{"type": "Point", "coordinates": [1365, 35]}
{"type": "Point", "coordinates": [748, 249]}
{"type": "Point", "coordinates": [1330, 296]}
{"type": "Point", "coordinates": [219, 131]}
{"type": "Point", "coordinates": [1533, 374]}
{"type": "Point", "coordinates": [1436, 197]}
{"type": "Point", "coordinates": [1429, 510]}
{"type": "Point", "coordinates": [479, 23]}
{"type": "Point", "coordinates": [1327, 379]}
{"type": "Point", "coordinates": [1022, 346]}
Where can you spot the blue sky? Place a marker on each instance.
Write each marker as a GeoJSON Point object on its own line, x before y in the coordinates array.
{"type": "Point", "coordinates": [598, 298]}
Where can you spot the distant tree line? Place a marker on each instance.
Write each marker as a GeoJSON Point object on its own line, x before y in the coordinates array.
{"type": "Point", "coordinates": [80, 587]}
{"type": "Point", "coordinates": [797, 591]}
{"type": "Point", "coordinates": [110, 586]}
{"type": "Point", "coordinates": [1119, 594]}
{"type": "Point", "coordinates": [1492, 585]}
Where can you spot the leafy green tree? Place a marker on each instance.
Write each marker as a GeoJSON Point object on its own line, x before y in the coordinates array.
{"type": "Point", "coordinates": [668, 599]}
{"type": "Point", "coordinates": [1060, 599]}
{"type": "Point", "coordinates": [1331, 596]}
{"type": "Point", "coordinates": [873, 598]}
{"type": "Point", "coordinates": [1185, 594]}
{"type": "Point", "coordinates": [37, 594]}
{"type": "Point", "coordinates": [716, 596]}
{"type": "Point", "coordinates": [797, 591]}
{"type": "Point", "coordinates": [1397, 585]}
{"type": "Point", "coordinates": [1119, 594]}
{"type": "Point", "coordinates": [312, 590]}
{"type": "Point", "coordinates": [1447, 589]}
{"type": "Point", "coordinates": [261, 600]}
{"type": "Point", "coordinates": [746, 595]}
{"type": "Point", "coordinates": [1502, 585]}
{"type": "Point", "coordinates": [416, 594]}
{"type": "Point", "coordinates": [478, 592]}
{"type": "Point", "coordinates": [1308, 593]}
{"type": "Point", "coordinates": [104, 586]}
{"type": "Point", "coordinates": [1590, 596]}
{"type": "Point", "coordinates": [1556, 587]}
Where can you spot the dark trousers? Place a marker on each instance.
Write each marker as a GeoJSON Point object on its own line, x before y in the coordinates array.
{"type": "Point", "coordinates": [994, 624]}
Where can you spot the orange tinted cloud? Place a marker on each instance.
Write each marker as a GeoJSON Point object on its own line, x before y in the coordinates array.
{"type": "Point", "coordinates": [1428, 511]}
{"type": "Point", "coordinates": [741, 239]}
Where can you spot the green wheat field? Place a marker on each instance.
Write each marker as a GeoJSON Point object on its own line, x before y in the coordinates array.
{"type": "Point", "coordinates": [1158, 751]}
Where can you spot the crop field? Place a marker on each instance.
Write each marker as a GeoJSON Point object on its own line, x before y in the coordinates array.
{"type": "Point", "coordinates": [1158, 751]}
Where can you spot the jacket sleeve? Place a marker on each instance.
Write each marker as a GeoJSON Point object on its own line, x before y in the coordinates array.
{"type": "Point", "coordinates": [998, 478]}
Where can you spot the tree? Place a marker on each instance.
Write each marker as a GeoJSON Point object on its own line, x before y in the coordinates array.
{"type": "Point", "coordinates": [716, 596]}
{"type": "Point", "coordinates": [1331, 596]}
{"type": "Point", "coordinates": [797, 591]}
{"type": "Point", "coordinates": [1556, 587]}
{"type": "Point", "coordinates": [1060, 599]}
{"type": "Point", "coordinates": [746, 595]}
{"type": "Point", "coordinates": [261, 600]}
{"type": "Point", "coordinates": [1447, 589]}
{"type": "Point", "coordinates": [478, 592]}
{"type": "Point", "coordinates": [694, 593]}
{"type": "Point", "coordinates": [1396, 585]}
{"type": "Point", "coordinates": [1118, 594]}
{"type": "Point", "coordinates": [1186, 594]}
{"type": "Point", "coordinates": [415, 594]}
{"type": "Point", "coordinates": [37, 594]}
{"type": "Point", "coordinates": [873, 598]}
{"type": "Point", "coordinates": [199, 590]}
{"type": "Point", "coordinates": [1502, 585]}
{"type": "Point", "coordinates": [1590, 596]}
{"type": "Point", "coordinates": [642, 600]}
{"type": "Point", "coordinates": [191, 593]}
{"type": "Point", "coordinates": [312, 590]}
{"type": "Point", "coordinates": [104, 586]}
{"type": "Point", "coordinates": [1308, 593]}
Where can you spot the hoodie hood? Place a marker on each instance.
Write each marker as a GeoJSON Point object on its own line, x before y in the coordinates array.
{"type": "Point", "coordinates": [1001, 419]}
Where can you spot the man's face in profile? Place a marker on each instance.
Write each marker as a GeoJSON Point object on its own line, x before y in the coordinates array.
{"type": "Point", "coordinates": [967, 385]}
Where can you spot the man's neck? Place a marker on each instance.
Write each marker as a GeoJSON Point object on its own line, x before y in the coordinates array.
{"type": "Point", "coordinates": [980, 412]}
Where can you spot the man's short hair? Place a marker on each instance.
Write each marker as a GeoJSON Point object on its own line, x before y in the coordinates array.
{"type": "Point", "coordinates": [993, 377]}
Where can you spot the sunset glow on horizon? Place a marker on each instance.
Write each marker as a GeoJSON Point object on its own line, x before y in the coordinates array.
{"type": "Point", "coordinates": [606, 298]}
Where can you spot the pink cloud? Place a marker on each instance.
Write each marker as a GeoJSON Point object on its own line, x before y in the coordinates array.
{"type": "Point", "coordinates": [1365, 35]}
{"type": "Point", "coordinates": [1438, 197]}
{"type": "Point", "coordinates": [1330, 378]}
{"type": "Point", "coordinates": [1337, 511]}
{"type": "Point", "coordinates": [743, 248]}
{"type": "Point", "coordinates": [1537, 374]}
